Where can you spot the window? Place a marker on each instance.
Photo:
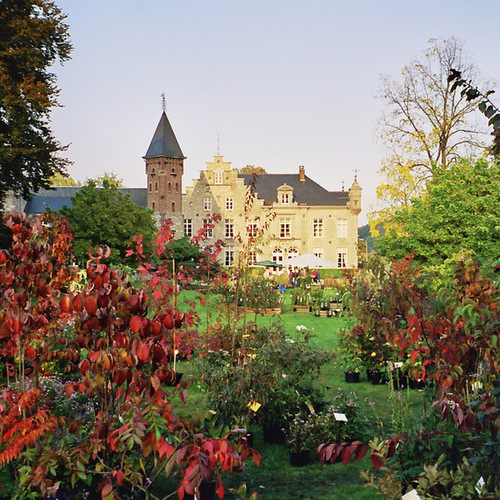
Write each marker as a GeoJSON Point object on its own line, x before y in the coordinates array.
{"type": "Point", "coordinates": [176, 187]}
{"type": "Point", "coordinates": [318, 252]}
{"type": "Point", "coordinates": [318, 228]}
{"type": "Point", "coordinates": [208, 227]}
{"type": "Point", "coordinates": [277, 255]}
{"type": "Point", "coordinates": [292, 252]}
{"type": "Point", "coordinates": [154, 206]}
{"type": "Point", "coordinates": [285, 198]}
{"type": "Point", "coordinates": [342, 257]}
{"type": "Point", "coordinates": [188, 227]}
{"type": "Point", "coordinates": [207, 204]}
{"type": "Point", "coordinates": [228, 257]}
{"type": "Point", "coordinates": [285, 228]}
{"type": "Point", "coordinates": [150, 187]}
{"type": "Point", "coordinates": [342, 228]}
{"type": "Point", "coordinates": [169, 187]}
{"type": "Point", "coordinates": [218, 177]}
{"type": "Point", "coordinates": [252, 228]}
{"type": "Point", "coordinates": [173, 206]}
{"type": "Point", "coordinates": [229, 203]}
{"type": "Point", "coordinates": [228, 228]}
{"type": "Point", "coordinates": [156, 187]}
{"type": "Point", "coordinates": [252, 257]}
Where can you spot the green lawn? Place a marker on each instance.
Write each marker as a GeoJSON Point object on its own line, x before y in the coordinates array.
{"type": "Point", "coordinates": [275, 478]}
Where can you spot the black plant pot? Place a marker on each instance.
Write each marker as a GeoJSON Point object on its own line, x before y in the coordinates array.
{"type": "Point", "coordinates": [374, 377]}
{"type": "Point", "coordinates": [299, 458]}
{"type": "Point", "coordinates": [399, 380]}
{"type": "Point", "coordinates": [273, 434]}
{"type": "Point", "coordinates": [351, 377]}
{"type": "Point", "coordinates": [416, 384]}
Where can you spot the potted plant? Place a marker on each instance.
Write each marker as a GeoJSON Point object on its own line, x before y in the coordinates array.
{"type": "Point", "coordinates": [349, 350]}
{"type": "Point", "coordinates": [300, 441]}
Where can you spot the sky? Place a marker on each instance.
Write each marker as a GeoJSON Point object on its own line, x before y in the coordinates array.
{"type": "Point", "coordinates": [270, 83]}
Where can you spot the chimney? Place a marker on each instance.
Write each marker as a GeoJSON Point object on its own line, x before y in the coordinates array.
{"type": "Point", "coordinates": [302, 173]}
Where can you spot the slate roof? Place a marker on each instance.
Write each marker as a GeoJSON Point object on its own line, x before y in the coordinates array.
{"type": "Point", "coordinates": [305, 192]}
{"type": "Point", "coordinates": [58, 196]}
{"type": "Point", "coordinates": [164, 142]}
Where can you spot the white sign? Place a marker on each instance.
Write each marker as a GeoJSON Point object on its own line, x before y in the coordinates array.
{"type": "Point", "coordinates": [340, 417]}
{"type": "Point", "coordinates": [411, 495]}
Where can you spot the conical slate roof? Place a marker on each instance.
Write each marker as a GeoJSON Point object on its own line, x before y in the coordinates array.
{"type": "Point", "coordinates": [164, 143]}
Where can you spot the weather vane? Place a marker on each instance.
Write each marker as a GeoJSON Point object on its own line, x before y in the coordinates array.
{"type": "Point", "coordinates": [163, 103]}
{"type": "Point", "coordinates": [218, 148]}
{"type": "Point", "coordinates": [355, 174]}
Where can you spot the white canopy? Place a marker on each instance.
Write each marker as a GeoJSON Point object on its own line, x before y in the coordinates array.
{"type": "Point", "coordinates": [309, 260]}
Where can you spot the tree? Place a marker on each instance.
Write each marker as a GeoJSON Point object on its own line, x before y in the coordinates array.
{"type": "Point", "coordinates": [252, 169]}
{"type": "Point", "coordinates": [460, 213]}
{"type": "Point", "coordinates": [106, 216]}
{"type": "Point", "coordinates": [63, 180]}
{"type": "Point", "coordinates": [425, 125]}
{"type": "Point", "coordinates": [33, 36]}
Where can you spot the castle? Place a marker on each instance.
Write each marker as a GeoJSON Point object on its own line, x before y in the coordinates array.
{"type": "Point", "coordinates": [303, 217]}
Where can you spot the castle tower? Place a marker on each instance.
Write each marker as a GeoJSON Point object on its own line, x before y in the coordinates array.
{"type": "Point", "coordinates": [354, 203]}
{"type": "Point", "coordinates": [164, 169]}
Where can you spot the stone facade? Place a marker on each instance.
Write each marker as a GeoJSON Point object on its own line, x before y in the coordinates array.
{"type": "Point", "coordinates": [302, 216]}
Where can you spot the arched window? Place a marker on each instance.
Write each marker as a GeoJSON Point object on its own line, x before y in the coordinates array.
{"type": "Point", "coordinates": [293, 252]}
{"type": "Point", "coordinates": [169, 187]}
{"type": "Point", "coordinates": [150, 187]}
{"type": "Point", "coordinates": [176, 187]}
{"type": "Point", "coordinates": [156, 187]}
{"type": "Point", "coordinates": [278, 255]}
{"type": "Point", "coordinates": [154, 206]}
{"type": "Point", "coordinates": [173, 206]}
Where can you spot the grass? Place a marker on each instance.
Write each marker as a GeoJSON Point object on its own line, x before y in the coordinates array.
{"type": "Point", "coordinates": [275, 478]}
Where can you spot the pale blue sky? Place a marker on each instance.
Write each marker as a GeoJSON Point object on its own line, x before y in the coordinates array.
{"type": "Point", "coordinates": [283, 83]}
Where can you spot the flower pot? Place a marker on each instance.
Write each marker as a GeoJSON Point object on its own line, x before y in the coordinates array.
{"type": "Point", "coordinates": [399, 380]}
{"type": "Point", "coordinates": [273, 434]}
{"type": "Point", "coordinates": [351, 377]}
{"type": "Point", "coordinates": [374, 377]}
{"type": "Point", "coordinates": [207, 491]}
{"type": "Point", "coordinates": [299, 458]}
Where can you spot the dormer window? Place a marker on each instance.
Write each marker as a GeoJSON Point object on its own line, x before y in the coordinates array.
{"type": "Point", "coordinates": [284, 195]}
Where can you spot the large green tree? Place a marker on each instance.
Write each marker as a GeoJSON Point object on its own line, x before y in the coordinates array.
{"type": "Point", "coordinates": [33, 36]}
{"type": "Point", "coordinates": [460, 214]}
{"type": "Point", "coordinates": [107, 216]}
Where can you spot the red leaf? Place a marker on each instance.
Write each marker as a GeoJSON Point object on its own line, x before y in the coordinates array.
{"type": "Point", "coordinates": [346, 454]}
{"type": "Point", "coordinates": [142, 351]}
{"type": "Point", "coordinates": [377, 461]}
{"type": "Point", "coordinates": [413, 355]}
{"type": "Point", "coordinates": [107, 490]}
{"type": "Point", "coordinates": [119, 477]}
{"type": "Point", "coordinates": [65, 304]}
{"type": "Point", "coordinates": [91, 304]}
{"type": "Point", "coordinates": [136, 324]}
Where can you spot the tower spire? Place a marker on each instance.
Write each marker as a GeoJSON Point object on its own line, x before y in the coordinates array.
{"type": "Point", "coordinates": [218, 148]}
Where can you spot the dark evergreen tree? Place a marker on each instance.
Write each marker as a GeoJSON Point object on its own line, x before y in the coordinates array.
{"type": "Point", "coordinates": [33, 36]}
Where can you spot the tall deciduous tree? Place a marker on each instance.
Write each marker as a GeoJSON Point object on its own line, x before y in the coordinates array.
{"type": "Point", "coordinates": [107, 216]}
{"type": "Point", "coordinates": [425, 124]}
{"type": "Point", "coordinates": [460, 214]}
{"type": "Point", "coordinates": [33, 36]}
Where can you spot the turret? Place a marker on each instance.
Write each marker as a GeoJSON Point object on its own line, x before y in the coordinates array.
{"type": "Point", "coordinates": [164, 169]}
